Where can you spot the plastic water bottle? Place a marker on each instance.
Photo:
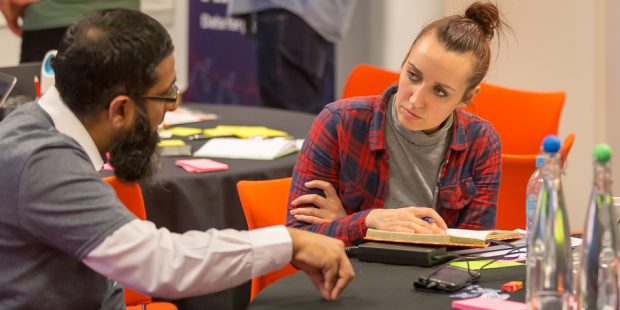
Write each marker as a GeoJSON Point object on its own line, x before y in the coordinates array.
{"type": "Point", "coordinates": [531, 192]}
{"type": "Point", "coordinates": [597, 285]}
{"type": "Point", "coordinates": [549, 260]}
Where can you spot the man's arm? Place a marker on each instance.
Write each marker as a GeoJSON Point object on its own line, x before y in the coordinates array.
{"type": "Point", "coordinates": [165, 264]}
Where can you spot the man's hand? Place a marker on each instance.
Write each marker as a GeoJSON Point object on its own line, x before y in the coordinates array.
{"type": "Point", "coordinates": [324, 260]}
{"type": "Point", "coordinates": [406, 220]}
{"type": "Point", "coordinates": [329, 208]}
{"type": "Point", "coordinates": [12, 11]}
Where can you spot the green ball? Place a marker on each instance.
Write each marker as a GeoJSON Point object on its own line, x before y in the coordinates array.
{"type": "Point", "coordinates": [602, 153]}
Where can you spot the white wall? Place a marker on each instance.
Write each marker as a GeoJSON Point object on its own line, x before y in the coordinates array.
{"type": "Point", "coordinates": [612, 91]}
{"type": "Point", "coordinates": [10, 45]}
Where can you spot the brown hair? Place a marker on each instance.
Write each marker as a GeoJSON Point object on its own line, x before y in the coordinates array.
{"type": "Point", "coordinates": [471, 32]}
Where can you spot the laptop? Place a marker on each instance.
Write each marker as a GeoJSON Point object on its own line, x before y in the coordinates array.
{"type": "Point", "coordinates": [7, 83]}
{"type": "Point", "coordinates": [25, 74]}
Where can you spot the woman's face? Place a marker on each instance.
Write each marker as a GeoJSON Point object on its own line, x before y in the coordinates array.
{"type": "Point", "coordinates": [432, 84]}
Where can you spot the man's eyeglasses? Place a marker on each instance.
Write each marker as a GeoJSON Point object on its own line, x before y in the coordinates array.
{"type": "Point", "coordinates": [174, 99]}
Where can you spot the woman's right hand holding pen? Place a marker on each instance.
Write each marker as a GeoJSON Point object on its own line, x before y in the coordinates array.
{"type": "Point", "coordinates": [419, 220]}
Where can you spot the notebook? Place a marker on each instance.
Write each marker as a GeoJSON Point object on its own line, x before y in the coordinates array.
{"type": "Point", "coordinates": [247, 148]}
{"type": "Point", "coordinates": [454, 237]}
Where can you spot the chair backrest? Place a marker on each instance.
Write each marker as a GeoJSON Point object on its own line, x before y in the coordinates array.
{"type": "Point", "coordinates": [264, 204]}
{"type": "Point", "coordinates": [522, 118]}
{"type": "Point", "coordinates": [516, 171]}
{"type": "Point", "coordinates": [130, 195]}
{"type": "Point", "coordinates": [365, 80]}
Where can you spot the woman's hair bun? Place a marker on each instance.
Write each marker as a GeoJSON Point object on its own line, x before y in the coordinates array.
{"type": "Point", "coordinates": [486, 15]}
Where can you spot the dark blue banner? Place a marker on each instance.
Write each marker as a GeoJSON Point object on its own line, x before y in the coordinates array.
{"type": "Point", "coordinates": [221, 63]}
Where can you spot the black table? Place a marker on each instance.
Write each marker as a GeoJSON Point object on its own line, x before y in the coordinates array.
{"type": "Point", "coordinates": [376, 286]}
{"type": "Point", "coordinates": [182, 201]}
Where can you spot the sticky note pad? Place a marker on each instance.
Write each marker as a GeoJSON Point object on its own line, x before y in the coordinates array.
{"type": "Point", "coordinates": [171, 142]}
{"type": "Point", "coordinates": [477, 264]}
{"type": "Point", "coordinates": [183, 131]}
{"type": "Point", "coordinates": [201, 165]}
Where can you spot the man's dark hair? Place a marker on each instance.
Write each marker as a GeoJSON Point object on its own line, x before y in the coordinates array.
{"type": "Point", "coordinates": [107, 53]}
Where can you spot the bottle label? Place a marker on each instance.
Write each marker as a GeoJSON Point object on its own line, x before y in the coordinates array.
{"type": "Point", "coordinates": [530, 207]}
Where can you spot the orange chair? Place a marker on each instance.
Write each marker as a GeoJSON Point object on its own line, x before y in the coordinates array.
{"type": "Point", "coordinates": [365, 80]}
{"type": "Point", "coordinates": [130, 195]}
{"type": "Point", "coordinates": [264, 204]}
{"type": "Point", "coordinates": [522, 120]}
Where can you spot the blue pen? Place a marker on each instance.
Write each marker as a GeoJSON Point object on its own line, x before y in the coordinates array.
{"type": "Point", "coordinates": [428, 220]}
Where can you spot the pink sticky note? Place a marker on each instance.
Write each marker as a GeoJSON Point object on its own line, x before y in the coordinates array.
{"type": "Point", "coordinates": [201, 165]}
{"type": "Point", "coordinates": [107, 167]}
{"type": "Point", "coordinates": [482, 303]}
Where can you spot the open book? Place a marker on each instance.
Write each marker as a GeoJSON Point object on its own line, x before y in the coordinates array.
{"type": "Point", "coordinates": [247, 148]}
{"type": "Point", "coordinates": [454, 237]}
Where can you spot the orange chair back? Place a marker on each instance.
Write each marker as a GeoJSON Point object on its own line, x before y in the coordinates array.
{"type": "Point", "coordinates": [522, 118]}
{"type": "Point", "coordinates": [264, 204]}
{"type": "Point", "coordinates": [130, 195]}
{"type": "Point", "coordinates": [366, 80]}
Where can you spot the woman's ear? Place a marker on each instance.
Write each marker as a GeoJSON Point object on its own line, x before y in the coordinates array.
{"type": "Point", "coordinates": [469, 95]}
{"type": "Point", "coordinates": [121, 112]}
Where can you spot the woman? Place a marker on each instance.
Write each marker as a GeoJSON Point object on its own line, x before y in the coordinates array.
{"type": "Point", "coordinates": [409, 160]}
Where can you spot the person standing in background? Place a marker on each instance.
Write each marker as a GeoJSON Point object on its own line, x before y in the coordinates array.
{"type": "Point", "coordinates": [295, 51]}
{"type": "Point", "coordinates": [44, 22]}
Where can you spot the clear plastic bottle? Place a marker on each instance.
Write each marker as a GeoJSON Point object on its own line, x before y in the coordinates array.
{"type": "Point", "coordinates": [532, 191]}
{"type": "Point", "coordinates": [549, 261]}
{"type": "Point", "coordinates": [597, 284]}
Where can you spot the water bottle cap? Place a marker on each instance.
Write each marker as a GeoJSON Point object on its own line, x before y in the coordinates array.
{"type": "Point", "coordinates": [551, 144]}
{"type": "Point", "coordinates": [540, 161]}
{"type": "Point", "coordinates": [602, 153]}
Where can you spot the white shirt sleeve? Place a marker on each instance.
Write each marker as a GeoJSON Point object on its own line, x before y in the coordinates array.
{"type": "Point", "coordinates": [164, 264]}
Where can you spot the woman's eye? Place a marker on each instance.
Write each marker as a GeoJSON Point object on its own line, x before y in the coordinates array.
{"type": "Point", "coordinates": [440, 92]}
{"type": "Point", "coordinates": [412, 76]}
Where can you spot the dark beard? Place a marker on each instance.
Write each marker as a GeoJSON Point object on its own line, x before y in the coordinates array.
{"type": "Point", "coordinates": [133, 154]}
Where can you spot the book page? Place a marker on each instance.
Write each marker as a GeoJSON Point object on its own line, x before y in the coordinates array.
{"type": "Point", "coordinates": [467, 233]}
{"type": "Point", "coordinates": [484, 234]}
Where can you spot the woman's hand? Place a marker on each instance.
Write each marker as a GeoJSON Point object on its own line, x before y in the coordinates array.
{"type": "Point", "coordinates": [406, 220]}
{"type": "Point", "coordinates": [328, 208]}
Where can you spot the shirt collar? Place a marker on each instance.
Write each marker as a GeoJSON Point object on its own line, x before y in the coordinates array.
{"type": "Point", "coordinates": [67, 123]}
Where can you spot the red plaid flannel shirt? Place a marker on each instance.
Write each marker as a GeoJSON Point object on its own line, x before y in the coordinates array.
{"type": "Point", "coordinates": [346, 147]}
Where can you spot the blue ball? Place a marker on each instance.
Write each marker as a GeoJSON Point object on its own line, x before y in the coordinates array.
{"type": "Point", "coordinates": [551, 144]}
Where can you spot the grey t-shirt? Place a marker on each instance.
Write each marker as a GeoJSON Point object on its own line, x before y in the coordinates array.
{"type": "Point", "coordinates": [54, 209]}
{"type": "Point", "coordinates": [415, 160]}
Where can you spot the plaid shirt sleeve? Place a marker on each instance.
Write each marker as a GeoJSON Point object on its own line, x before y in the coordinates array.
{"type": "Point", "coordinates": [320, 160]}
{"type": "Point", "coordinates": [482, 210]}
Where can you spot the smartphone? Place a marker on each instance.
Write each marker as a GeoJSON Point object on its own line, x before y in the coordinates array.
{"type": "Point", "coordinates": [447, 278]}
